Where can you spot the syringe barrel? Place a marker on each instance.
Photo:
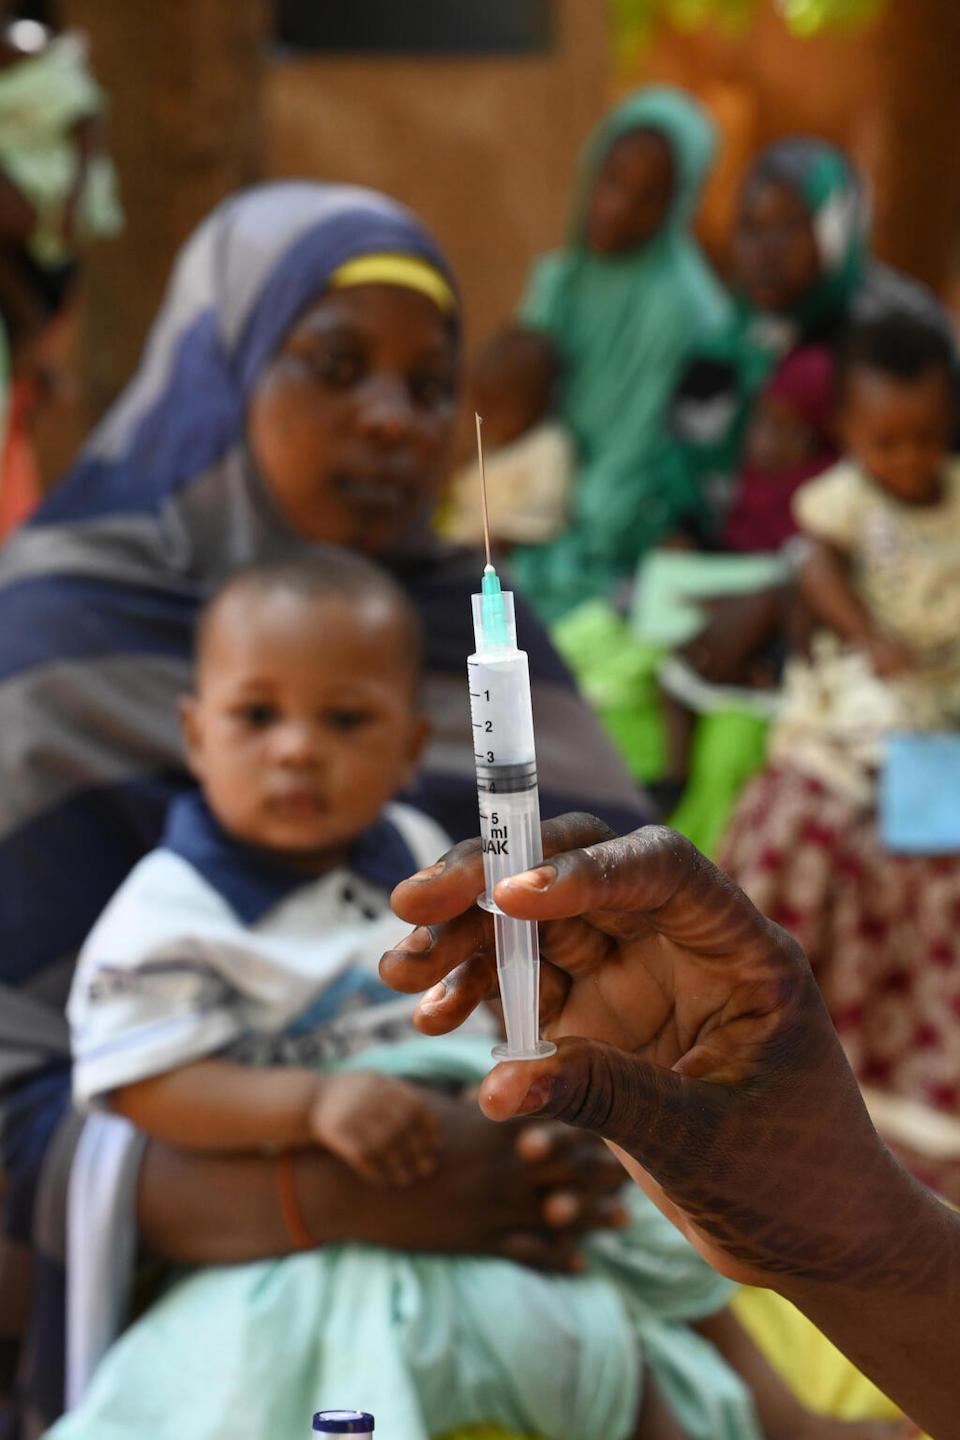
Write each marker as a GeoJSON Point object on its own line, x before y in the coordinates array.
{"type": "Point", "coordinates": [502, 717]}
{"type": "Point", "coordinates": [506, 762]}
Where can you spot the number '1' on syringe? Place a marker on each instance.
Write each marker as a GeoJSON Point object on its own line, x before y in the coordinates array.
{"type": "Point", "coordinates": [503, 744]}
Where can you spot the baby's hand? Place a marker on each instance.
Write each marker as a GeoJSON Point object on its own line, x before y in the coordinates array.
{"type": "Point", "coordinates": [888, 656]}
{"type": "Point", "coordinates": [381, 1127]}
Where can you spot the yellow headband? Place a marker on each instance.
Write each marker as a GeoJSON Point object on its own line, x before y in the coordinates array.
{"type": "Point", "coordinates": [406, 270]}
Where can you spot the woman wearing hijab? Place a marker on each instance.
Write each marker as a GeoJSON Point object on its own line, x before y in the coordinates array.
{"type": "Point", "coordinates": [299, 385]}
{"type": "Point", "coordinates": [802, 270]}
{"type": "Point", "coordinates": [624, 303]}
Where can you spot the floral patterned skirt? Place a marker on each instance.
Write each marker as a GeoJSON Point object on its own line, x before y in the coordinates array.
{"type": "Point", "coordinates": [882, 933]}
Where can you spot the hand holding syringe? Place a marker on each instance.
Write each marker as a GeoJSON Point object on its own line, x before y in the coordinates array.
{"type": "Point", "coordinates": [502, 716]}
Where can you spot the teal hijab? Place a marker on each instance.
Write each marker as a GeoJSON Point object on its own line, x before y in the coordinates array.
{"type": "Point", "coordinates": [623, 325]}
{"type": "Point", "coordinates": [823, 178]}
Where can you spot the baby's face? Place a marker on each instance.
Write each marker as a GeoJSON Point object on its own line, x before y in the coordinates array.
{"type": "Point", "coordinates": [304, 723]}
{"type": "Point", "coordinates": [510, 404]}
{"type": "Point", "coordinates": [778, 440]}
{"type": "Point", "coordinates": [899, 430]}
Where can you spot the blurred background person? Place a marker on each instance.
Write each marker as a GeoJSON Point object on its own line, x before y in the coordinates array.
{"type": "Point", "coordinates": [881, 578]}
{"type": "Point", "coordinates": [623, 304]}
{"type": "Point", "coordinates": [57, 193]}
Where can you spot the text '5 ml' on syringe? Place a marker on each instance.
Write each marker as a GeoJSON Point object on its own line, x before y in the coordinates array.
{"type": "Point", "coordinates": [502, 715]}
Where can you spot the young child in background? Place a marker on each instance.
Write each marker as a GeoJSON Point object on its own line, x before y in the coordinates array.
{"type": "Point", "coordinates": [724, 614]}
{"type": "Point", "coordinates": [228, 999]}
{"type": "Point", "coordinates": [791, 437]}
{"type": "Point", "coordinates": [882, 575]}
{"type": "Point", "coordinates": [528, 454]}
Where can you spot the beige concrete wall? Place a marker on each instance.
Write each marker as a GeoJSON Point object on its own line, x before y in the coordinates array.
{"type": "Point", "coordinates": [483, 149]}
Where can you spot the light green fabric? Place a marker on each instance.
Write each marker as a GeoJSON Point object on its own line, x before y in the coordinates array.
{"type": "Point", "coordinates": [41, 99]}
{"type": "Point", "coordinates": [623, 325]}
{"type": "Point", "coordinates": [672, 584]}
{"type": "Point", "coordinates": [618, 675]}
{"type": "Point", "coordinates": [729, 747]}
{"type": "Point", "coordinates": [429, 1344]}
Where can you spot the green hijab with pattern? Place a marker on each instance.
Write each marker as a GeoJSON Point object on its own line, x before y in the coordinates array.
{"type": "Point", "coordinates": [712, 404]}
{"type": "Point", "coordinates": [824, 180]}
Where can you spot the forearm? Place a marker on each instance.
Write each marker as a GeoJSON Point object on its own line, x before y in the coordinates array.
{"type": "Point", "coordinates": [898, 1324]}
{"type": "Point", "coordinates": [216, 1105]}
{"type": "Point", "coordinates": [825, 585]}
{"type": "Point", "coordinates": [225, 1209]}
{"type": "Point", "coordinates": [778, 1411]}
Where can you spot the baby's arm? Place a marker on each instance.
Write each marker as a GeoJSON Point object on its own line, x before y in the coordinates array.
{"type": "Point", "coordinates": [378, 1125]}
{"type": "Point", "coordinates": [218, 1105]}
{"type": "Point", "coordinates": [825, 585]}
{"type": "Point", "coordinates": [781, 1415]}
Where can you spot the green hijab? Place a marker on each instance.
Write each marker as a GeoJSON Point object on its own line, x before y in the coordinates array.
{"type": "Point", "coordinates": [623, 325]}
{"type": "Point", "coordinates": [822, 177]}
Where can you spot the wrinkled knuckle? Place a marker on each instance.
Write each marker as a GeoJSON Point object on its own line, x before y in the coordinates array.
{"type": "Point", "coordinates": [574, 829]}
{"type": "Point", "coordinates": [784, 945]}
{"type": "Point", "coordinates": [462, 853]}
{"type": "Point", "coordinates": [588, 1094]}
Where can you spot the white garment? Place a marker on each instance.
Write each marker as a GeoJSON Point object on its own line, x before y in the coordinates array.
{"type": "Point", "coordinates": [528, 490]}
{"type": "Point", "coordinates": [170, 973]}
{"type": "Point", "coordinates": [905, 569]}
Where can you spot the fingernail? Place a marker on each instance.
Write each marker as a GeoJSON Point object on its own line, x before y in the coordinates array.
{"type": "Point", "coordinates": [536, 1097]}
{"type": "Point", "coordinates": [434, 996]}
{"type": "Point", "coordinates": [431, 872]}
{"type": "Point", "coordinates": [535, 1142]}
{"type": "Point", "coordinates": [418, 941]}
{"type": "Point", "coordinates": [540, 879]}
{"type": "Point", "coordinates": [562, 1209]}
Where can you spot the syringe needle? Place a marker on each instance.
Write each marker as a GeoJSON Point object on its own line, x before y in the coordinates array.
{"type": "Point", "coordinates": [483, 493]}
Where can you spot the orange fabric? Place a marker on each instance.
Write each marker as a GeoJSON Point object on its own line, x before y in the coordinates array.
{"type": "Point", "coordinates": [19, 480]}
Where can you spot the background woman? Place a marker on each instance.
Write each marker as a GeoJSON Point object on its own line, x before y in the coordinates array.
{"type": "Point", "coordinates": [299, 385]}
{"type": "Point", "coordinates": [624, 303]}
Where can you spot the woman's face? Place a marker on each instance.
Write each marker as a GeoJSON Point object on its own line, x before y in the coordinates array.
{"type": "Point", "coordinates": [351, 422]}
{"type": "Point", "coordinates": [775, 253]}
{"type": "Point", "coordinates": [631, 195]}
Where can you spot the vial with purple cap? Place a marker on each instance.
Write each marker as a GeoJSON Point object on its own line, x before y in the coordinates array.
{"type": "Point", "coordinates": [343, 1422]}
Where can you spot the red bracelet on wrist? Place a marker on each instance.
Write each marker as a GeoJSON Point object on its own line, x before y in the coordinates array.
{"type": "Point", "coordinates": [289, 1204]}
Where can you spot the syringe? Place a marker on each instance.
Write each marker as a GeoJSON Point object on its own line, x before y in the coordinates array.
{"type": "Point", "coordinates": [502, 716]}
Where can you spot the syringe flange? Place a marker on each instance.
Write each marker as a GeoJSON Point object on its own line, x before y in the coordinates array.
{"type": "Point", "coordinates": [541, 1051]}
